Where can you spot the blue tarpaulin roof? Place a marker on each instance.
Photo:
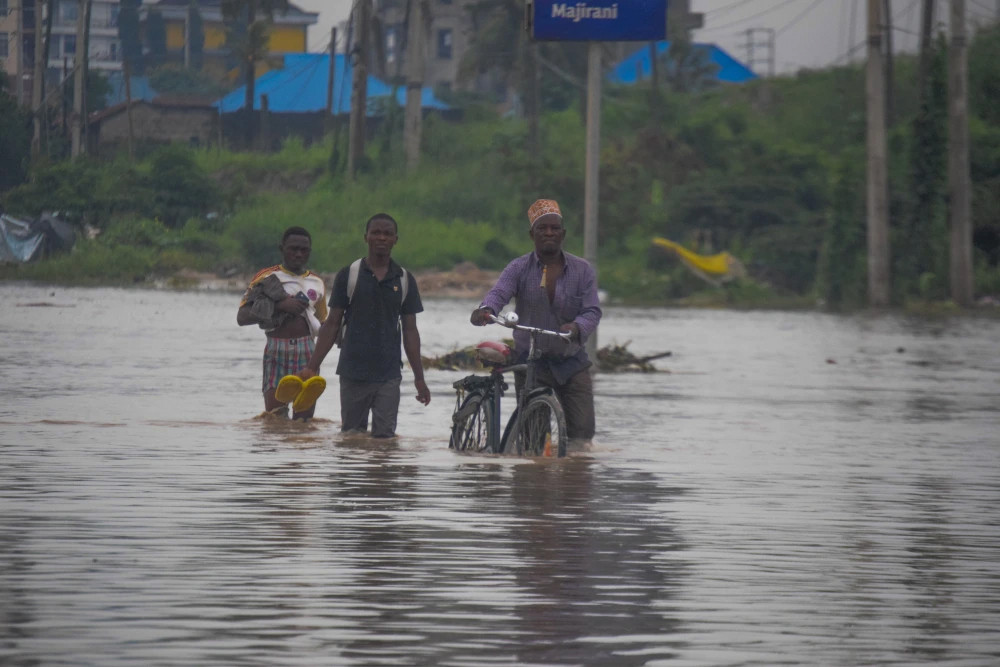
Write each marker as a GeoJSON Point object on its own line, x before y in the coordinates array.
{"type": "Point", "coordinates": [301, 85]}
{"type": "Point", "coordinates": [139, 88]}
{"type": "Point", "coordinates": [730, 69]}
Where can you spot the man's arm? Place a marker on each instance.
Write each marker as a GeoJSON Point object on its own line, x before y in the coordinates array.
{"type": "Point", "coordinates": [411, 345]}
{"type": "Point", "coordinates": [499, 296]}
{"type": "Point", "coordinates": [590, 307]}
{"type": "Point", "coordinates": [325, 339]}
{"type": "Point", "coordinates": [243, 316]}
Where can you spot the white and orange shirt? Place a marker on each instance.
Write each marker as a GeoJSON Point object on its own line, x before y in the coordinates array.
{"type": "Point", "coordinates": [309, 283]}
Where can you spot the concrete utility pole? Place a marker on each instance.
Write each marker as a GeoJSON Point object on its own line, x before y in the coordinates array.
{"type": "Point", "coordinates": [359, 86]}
{"type": "Point", "coordinates": [877, 200]}
{"type": "Point", "coordinates": [593, 158]}
{"type": "Point", "coordinates": [958, 159]}
{"type": "Point", "coordinates": [79, 80]}
{"type": "Point", "coordinates": [416, 61]}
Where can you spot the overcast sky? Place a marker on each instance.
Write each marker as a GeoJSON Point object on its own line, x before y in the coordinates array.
{"type": "Point", "coordinates": [807, 33]}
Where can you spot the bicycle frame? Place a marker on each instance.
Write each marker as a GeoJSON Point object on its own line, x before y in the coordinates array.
{"type": "Point", "coordinates": [492, 387]}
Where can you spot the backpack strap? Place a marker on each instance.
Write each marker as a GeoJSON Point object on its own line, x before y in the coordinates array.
{"type": "Point", "coordinates": [405, 280]}
{"type": "Point", "coordinates": [352, 278]}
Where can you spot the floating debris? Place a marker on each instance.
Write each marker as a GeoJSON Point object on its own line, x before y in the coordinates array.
{"type": "Point", "coordinates": [617, 359]}
{"type": "Point", "coordinates": [610, 359]}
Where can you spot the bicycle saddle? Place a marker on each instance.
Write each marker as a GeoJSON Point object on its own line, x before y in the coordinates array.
{"type": "Point", "coordinates": [490, 352]}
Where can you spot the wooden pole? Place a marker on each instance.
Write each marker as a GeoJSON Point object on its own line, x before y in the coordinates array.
{"type": "Point", "coordinates": [331, 79]}
{"type": "Point", "coordinates": [592, 167]}
{"type": "Point", "coordinates": [889, 67]}
{"type": "Point", "coordinates": [877, 200]}
{"type": "Point", "coordinates": [79, 81]}
{"type": "Point", "coordinates": [359, 87]}
{"type": "Point", "coordinates": [416, 58]}
{"type": "Point", "coordinates": [958, 159]}
{"type": "Point", "coordinates": [128, 110]}
{"type": "Point", "coordinates": [187, 36]}
{"type": "Point", "coordinates": [38, 81]}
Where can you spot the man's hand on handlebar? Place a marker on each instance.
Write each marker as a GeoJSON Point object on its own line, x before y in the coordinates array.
{"type": "Point", "coordinates": [573, 329]}
{"type": "Point", "coordinates": [480, 316]}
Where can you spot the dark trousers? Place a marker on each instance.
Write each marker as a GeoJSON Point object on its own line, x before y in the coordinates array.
{"type": "Point", "coordinates": [358, 399]}
{"type": "Point", "coordinates": [576, 396]}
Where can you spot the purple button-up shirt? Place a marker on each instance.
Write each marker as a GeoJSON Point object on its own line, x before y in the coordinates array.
{"type": "Point", "coordinates": [575, 300]}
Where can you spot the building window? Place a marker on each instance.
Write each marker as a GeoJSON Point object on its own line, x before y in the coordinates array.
{"type": "Point", "coordinates": [69, 45]}
{"type": "Point", "coordinates": [391, 44]}
{"type": "Point", "coordinates": [113, 16]}
{"type": "Point", "coordinates": [3, 8]}
{"type": "Point", "coordinates": [113, 51]}
{"type": "Point", "coordinates": [4, 45]}
{"type": "Point", "coordinates": [67, 11]}
{"type": "Point", "coordinates": [444, 44]}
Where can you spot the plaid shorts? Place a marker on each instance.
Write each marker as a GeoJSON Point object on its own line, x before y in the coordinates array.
{"type": "Point", "coordinates": [285, 356]}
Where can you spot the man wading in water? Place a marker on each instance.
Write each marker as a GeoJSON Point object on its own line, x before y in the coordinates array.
{"type": "Point", "coordinates": [288, 301]}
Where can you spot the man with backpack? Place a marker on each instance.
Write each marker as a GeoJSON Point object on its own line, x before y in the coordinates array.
{"type": "Point", "coordinates": [373, 307]}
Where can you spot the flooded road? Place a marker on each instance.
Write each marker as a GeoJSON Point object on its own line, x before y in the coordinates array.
{"type": "Point", "coordinates": [798, 489]}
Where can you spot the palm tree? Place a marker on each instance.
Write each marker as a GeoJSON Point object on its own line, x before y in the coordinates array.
{"type": "Point", "coordinates": [247, 39]}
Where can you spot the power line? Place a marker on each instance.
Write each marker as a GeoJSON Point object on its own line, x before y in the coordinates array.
{"type": "Point", "coordinates": [795, 20]}
{"type": "Point", "coordinates": [728, 8]}
{"type": "Point", "coordinates": [750, 18]}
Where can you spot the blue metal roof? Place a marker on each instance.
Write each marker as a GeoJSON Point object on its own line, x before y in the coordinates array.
{"type": "Point", "coordinates": [730, 69]}
{"type": "Point", "coordinates": [300, 87]}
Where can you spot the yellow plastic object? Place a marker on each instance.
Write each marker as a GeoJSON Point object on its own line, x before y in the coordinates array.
{"type": "Point", "coordinates": [311, 390]}
{"type": "Point", "coordinates": [289, 387]}
{"type": "Point", "coordinates": [719, 264]}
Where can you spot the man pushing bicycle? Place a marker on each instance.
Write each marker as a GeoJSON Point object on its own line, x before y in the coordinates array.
{"type": "Point", "coordinates": [552, 290]}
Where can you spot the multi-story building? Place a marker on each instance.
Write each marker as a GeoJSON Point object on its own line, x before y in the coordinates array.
{"type": "Point", "coordinates": [451, 32]}
{"type": "Point", "coordinates": [17, 35]}
{"type": "Point", "coordinates": [287, 33]}
{"type": "Point", "coordinates": [17, 44]}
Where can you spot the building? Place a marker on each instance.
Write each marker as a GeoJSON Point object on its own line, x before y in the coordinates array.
{"type": "Point", "coordinates": [287, 34]}
{"type": "Point", "coordinates": [17, 45]}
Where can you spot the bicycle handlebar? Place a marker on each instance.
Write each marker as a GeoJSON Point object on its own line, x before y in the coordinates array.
{"type": "Point", "coordinates": [510, 321]}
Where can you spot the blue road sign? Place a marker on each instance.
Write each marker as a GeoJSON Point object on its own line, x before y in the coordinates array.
{"type": "Point", "coordinates": [599, 20]}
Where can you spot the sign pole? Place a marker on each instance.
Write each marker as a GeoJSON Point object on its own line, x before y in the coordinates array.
{"type": "Point", "coordinates": [593, 156]}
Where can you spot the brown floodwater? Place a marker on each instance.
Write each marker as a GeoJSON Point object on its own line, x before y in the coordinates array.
{"type": "Point", "coordinates": [792, 488]}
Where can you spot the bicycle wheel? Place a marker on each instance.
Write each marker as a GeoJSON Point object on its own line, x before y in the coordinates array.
{"type": "Point", "coordinates": [540, 432]}
{"type": "Point", "coordinates": [470, 429]}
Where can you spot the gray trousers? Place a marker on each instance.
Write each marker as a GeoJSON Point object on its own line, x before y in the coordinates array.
{"type": "Point", "coordinates": [381, 399]}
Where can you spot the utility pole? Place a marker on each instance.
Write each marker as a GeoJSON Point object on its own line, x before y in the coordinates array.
{"type": "Point", "coordinates": [877, 199]}
{"type": "Point", "coordinates": [591, 175]}
{"type": "Point", "coordinates": [331, 79]}
{"type": "Point", "coordinates": [359, 86]}
{"type": "Point", "coordinates": [924, 62]}
{"type": "Point", "coordinates": [38, 81]}
{"type": "Point", "coordinates": [958, 159]}
{"type": "Point", "coordinates": [889, 70]}
{"type": "Point", "coordinates": [79, 80]}
{"type": "Point", "coordinates": [18, 11]}
{"type": "Point", "coordinates": [767, 42]}
{"type": "Point", "coordinates": [187, 36]}
{"type": "Point", "coordinates": [416, 59]}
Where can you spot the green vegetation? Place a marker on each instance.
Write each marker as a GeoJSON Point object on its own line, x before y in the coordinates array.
{"type": "Point", "coordinates": [772, 172]}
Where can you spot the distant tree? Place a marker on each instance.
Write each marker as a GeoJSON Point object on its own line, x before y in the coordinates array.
{"type": "Point", "coordinates": [156, 38]}
{"type": "Point", "coordinates": [129, 35]}
{"type": "Point", "coordinates": [186, 81]}
{"type": "Point", "coordinates": [247, 37]}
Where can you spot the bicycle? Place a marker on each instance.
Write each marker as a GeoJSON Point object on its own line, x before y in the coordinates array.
{"type": "Point", "coordinates": [537, 427]}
